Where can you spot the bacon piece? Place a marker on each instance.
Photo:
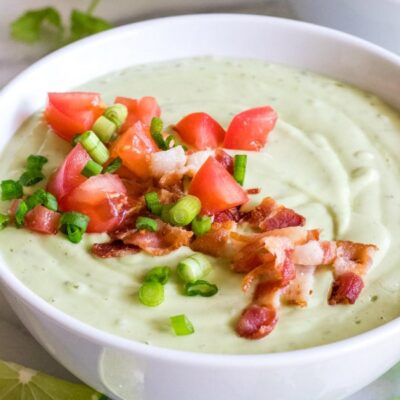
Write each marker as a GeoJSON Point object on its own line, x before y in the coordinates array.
{"type": "Point", "coordinates": [270, 215]}
{"type": "Point", "coordinates": [256, 322]}
{"type": "Point", "coordinates": [225, 160]}
{"type": "Point", "coordinates": [233, 214]}
{"type": "Point", "coordinates": [117, 248]}
{"type": "Point", "coordinates": [352, 262]}
{"type": "Point", "coordinates": [346, 288]}
{"type": "Point", "coordinates": [314, 253]}
{"type": "Point", "coordinates": [253, 191]}
{"type": "Point", "coordinates": [299, 289]}
{"type": "Point", "coordinates": [166, 239]}
{"type": "Point", "coordinates": [216, 242]}
{"type": "Point", "coordinates": [277, 265]}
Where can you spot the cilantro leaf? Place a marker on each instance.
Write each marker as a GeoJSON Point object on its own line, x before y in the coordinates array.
{"type": "Point", "coordinates": [83, 24]}
{"type": "Point", "coordinates": [29, 26]}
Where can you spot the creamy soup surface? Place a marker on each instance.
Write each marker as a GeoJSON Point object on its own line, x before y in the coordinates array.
{"type": "Point", "coordinates": [332, 157]}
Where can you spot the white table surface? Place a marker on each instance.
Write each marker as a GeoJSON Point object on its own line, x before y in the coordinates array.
{"type": "Point", "coordinates": [16, 344]}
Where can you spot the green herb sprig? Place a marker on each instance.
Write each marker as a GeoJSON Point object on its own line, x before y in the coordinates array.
{"type": "Point", "coordinates": [45, 24]}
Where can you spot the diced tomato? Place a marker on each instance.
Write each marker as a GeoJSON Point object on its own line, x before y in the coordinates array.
{"type": "Point", "coordinates": [41, 219]}
{"type": "Point", "coordinates": [71, 113]}
{"type": "Point", "coordinates": [134, 147]}
{"type": "Point", "coordinates": [103, 198]}
{"type": "Point", "coordinates": [201, 131]}
{"type": "Point", "coordinates": [143, 110]}
{"type": "Point", "coordinates": [216, 188]}
{"type": "Point", "coordinates": [68, 175]}
{"type": "Point", "coordinates": [249, 129]}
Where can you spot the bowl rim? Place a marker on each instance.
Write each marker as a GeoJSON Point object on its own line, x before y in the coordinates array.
{"type": "Point", "coordinates": [96, 335]}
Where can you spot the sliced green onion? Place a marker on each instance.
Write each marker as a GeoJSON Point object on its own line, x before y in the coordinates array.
{"type": "Point", "coordinates": [117, 113]}
{"type": "Point", "coordinates": [11, 190]}
{"type": "Point", "coordinates": [94, 147]}
{"type": "Point", "coordinates": [50, 202]}
{"type": "Point", "coordinates": [74, 225]}
{"type": "Point", "coordinates": [169, 140]}
{"type": "Point", "coordinates": [153, 203]}
{"type": "Point", "coordinates": [91, 169]}
{"type": "Point", "coordinates": [41, 197]}
{"type": "Point", "coordinates": [201, 225]}
{"type": "Point", "coordinates": [158, 274]}
{"type": "Point", "coordinates": [75, 140]}
{"type": "Point", "coordinates": [20, 214]}
{"type": "Point", "coordinates": [4, 220]}
{"type": "Point", "coordinates": [165, 209]}
{"type": "Point", "coordinates": [104, 129]}
{"type": "Point", "coordinates": [239, 169]}
{"type": "Point", "coordinates": [194, 268]}
{"type": "Point", "coordinates": [200, 288]}
{"type": "Point", "coordinates": [156, 127]}
{"type": "Point", "coordinates": [146, 223]}
{"type": "Point", "coordinates": [181, 325]}
{"type": "Point", "coordinates": [185, 210]}
{"type": "Point", "coordinates": [31, 177]}
{"type": "Point", "coordinates": [113, 166]}
{"type": "Point", "coordinates": [35, 162]}
{"type": "Point", "coordinates": [151, 293]}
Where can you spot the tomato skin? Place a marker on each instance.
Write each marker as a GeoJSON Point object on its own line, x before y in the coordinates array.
{"type": "Point", "coordinates": [73, 112]}
{"type": "Point", "coordinates": [201, 131]}
{"type": "Point", "coordinates": [68, 176]}
{"type": "Point", "coordinates": [134, 147]}
{"type": "Point", "coordinates": [103, 198]}
{"type": "Point", "coordinates": [216, 188]}
{"type": "Point", "coordinates": [42, 220]}
{"type": "Point", "coordinates": [143, 110]}
{"type": "Point", "coordinates": [249, 129]}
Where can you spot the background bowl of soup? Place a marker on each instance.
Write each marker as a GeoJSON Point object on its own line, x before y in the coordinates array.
{"type": "Point", "coordinates": [126, 369]}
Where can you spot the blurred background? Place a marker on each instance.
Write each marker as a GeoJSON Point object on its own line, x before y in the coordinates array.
{"type": "Point", "coordinates": [374, 20]}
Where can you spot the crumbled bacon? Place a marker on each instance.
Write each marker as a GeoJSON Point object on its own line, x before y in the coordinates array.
{"type": "Point", "coordinates": [225, 159]}
{"type": "Point", "coordinates": [270, 215]}
{"type": "Point", "coordinates": [253, 191]}
{"type": "Point", "coordinates": [216, 242]}
{"type": "Point", "coordinates": [299, 290]}
{"type": "Point", "coordinates": [346, 288]}
{"type": "Point", "coordinates": [233, 214]}
{"type": "Point", "coordinates": [166, 239]}
{"type": "Point", "coordinates": [116, 248]}
{"type": "Point", "coordinates": [256, 322]}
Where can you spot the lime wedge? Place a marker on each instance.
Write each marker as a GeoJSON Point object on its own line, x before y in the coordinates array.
{"type": "Point", "coordinates": [20, 383]}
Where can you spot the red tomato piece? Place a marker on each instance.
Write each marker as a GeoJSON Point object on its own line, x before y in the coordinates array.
{"type": "Point", "coordinates": [216, 188]}
{"type": "Point", "coordinates": [134, 147]}
{"type": "Point", "coordinates": [71, 113]}
{"type": "Point", "coordinates": [249, 129]}
{"type": "Point", "coordinates": [143, 110]}
{"type": "Point", "coordinates": [42, 220]}
{"type": "Point", "coordinates": [68, 175]}
{"type": "Point", "coordinates": [103, 198]}
{"type": "Point", "coordinates": [201, 131]}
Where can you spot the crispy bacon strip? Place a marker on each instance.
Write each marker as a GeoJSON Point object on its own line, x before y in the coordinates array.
{"type": "Point", "coordinates": [299, 290]}
{"type": "Point", "coordinates": [217, 242]}
{"type": "Point", "coordinates": [225, 159]}
{"type": "Point", "coordinates": [113, 249]}
{"type": "Point", "coordinates": [270, 215]}
{"type": "Point", "coordinates": [166, 239]}
{"type": "Point", "coordinates": [233, 214]}
{"type": "Point", "coordinates": [253, 190]}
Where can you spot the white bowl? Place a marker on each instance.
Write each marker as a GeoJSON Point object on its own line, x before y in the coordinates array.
{"type": "Point", "coordinates": [129, 370]}
{"type": "Point", "coordinates": [374, 20]}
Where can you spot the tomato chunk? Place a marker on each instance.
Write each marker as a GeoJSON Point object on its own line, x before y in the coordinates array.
{"type": "Point", "coordinates": [71, 113]}
{"type": "Point", "coordinates": [103, 198]}
{"type": "Point", "coordinates": [249, 129]}
{"type": "Point", "coordinates": [68, 176]}
{"type": "Point", "coordinates": [143, 110]}
{"type": "Point", "coordinates": [201, 131]}
{"type": "Point", "coordinates": [134, 147]}
{"type": "Point", "coordinates": [216, 188]}
{"type": "Point", "coordinates": [42, 220]}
